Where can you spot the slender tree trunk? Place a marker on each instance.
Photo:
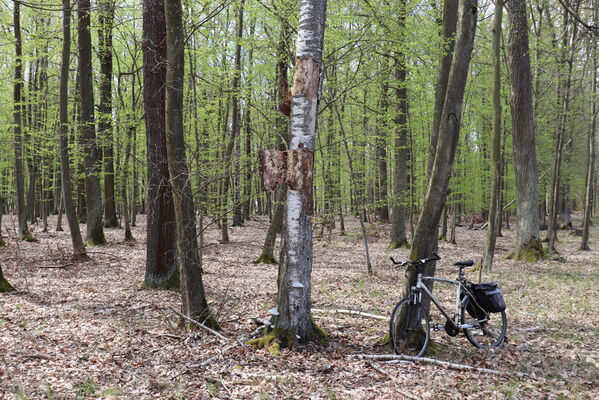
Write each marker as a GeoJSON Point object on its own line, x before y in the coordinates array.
{"type": "Point", "coordinates": [588, 205]}
{"type": "Point", "coordinates": [63, 131]}
{"type": "Point", "coordinates": [247, 209]}
{"type": "Point", "coordinates": [494, 206]}
{"type": "Point", "coordinates": [293, 323]}
{"type": "Point", "coordinates": [425, 236]}
{"type": "Point", "coordinates": [400, 179]}
{"type": "Point", "coordinates": [528, 247]}
{"type": "Point", "coordinates": [382, 209]}
{"type": "Point", "coordinates": [192, 289]}
{"type": "Point", "coordinates": [560, 140]}
{"type": "Point", "coordinates": [236, 123]}
{"type": "Point", "coordinates": [161, 257]}
{"type": "Point", "coordinates": [106, 19]}
{"type": "Point", "coordinates": [353, 178]}
{"type": "Point", "coordinates": [93, 195]}
{"type": "Point", "coordinates": [17, 111]}
{"type": "Point", "coordinates": [5, 286]}
{"type": "Point", "coordinates": [450, 19]}
{"type": "Point", "coordinates": [60, 209]}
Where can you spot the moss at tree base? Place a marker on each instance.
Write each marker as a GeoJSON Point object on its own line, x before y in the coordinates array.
{"type": "Point", "coordinates": [276, 338]}
{"type": "Point", "coordinates": [266, 259]}
{"type": "Point", "coordinates": [173, 283]}
{"type": "Point", "coordinates": [28, 237]}
{"type": "Point", "coordinates": [5, 286]}
{"type": "Point", "coordinates": [100, 241]}
{"type": "Point", "coordinates": [531, 252]}
{"type": "Point", "coordinates": [399, 245]}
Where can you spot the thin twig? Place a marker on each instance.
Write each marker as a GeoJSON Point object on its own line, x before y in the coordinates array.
{"type": "Point", "coordinates": [349, 312]}
{"type": "Point", "coordinates": [50, 266]}
{"type": "Point", "coordinates": [394, 379]}
{"type": "Point", "coordinates": [193, 321]}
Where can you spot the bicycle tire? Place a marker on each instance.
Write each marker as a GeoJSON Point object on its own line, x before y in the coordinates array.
{"type": "Point", "coordinates": [486, 334]}
{"type": "Point", "coordinates": [405, 340]}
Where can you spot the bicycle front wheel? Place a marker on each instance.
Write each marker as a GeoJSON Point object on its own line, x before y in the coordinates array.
{"type": "Point", "coordinates": [487, 329]}
{"type": "Point", "coordinates": [409, 329]}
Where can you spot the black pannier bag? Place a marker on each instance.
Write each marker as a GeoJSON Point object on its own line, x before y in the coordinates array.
{"type": "Point", "coordinates": [489, 296]}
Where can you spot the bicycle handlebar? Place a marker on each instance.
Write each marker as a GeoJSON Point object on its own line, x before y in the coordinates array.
{"type": "Point", "coordinates": [422, 261]}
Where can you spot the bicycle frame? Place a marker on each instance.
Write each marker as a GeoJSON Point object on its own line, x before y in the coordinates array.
{"type": "Point", "coordinates": [420, 288]}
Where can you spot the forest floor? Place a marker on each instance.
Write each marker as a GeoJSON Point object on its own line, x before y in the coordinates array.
{"type": "Point", "coordinates": [87, 330]}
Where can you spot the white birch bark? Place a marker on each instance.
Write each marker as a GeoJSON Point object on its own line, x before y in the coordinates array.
{"type": "Point", "coordinates": [293, 323]}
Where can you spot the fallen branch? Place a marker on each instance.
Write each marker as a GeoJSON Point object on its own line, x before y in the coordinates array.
{"type": "Point", "coordinates": [193, 321]}
{"type": "Point", "coordinates": [350, 312]}
{"type": "Point", "coordinates": [446, 364]}
{"type": "Point", "coordinates": [51, 266]}
{"type": "Point", "coordinates": [394, 379]}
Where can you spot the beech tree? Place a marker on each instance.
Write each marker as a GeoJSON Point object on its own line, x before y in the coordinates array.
{"type": "Point", "coordinates": [425, 236]}
{"type": "Point", "coordinates": [192, 288]}
{"type": "Point", "coordinates": [528, 246]}
{"type": "Point", "coordinates": [63, 130]}
{"type": "Point", "coordinates": [93, 194]}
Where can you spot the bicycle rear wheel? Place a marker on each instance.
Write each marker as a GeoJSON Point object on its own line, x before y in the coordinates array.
{"type": "Point", "coordinates": [487, 331]}
{"type": "Point", "coordinates": [409, 329]}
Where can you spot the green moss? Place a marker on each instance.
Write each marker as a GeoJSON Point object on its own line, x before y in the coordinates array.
{"type": "Point", "coordinates": [28, 237]}
{"type": "Point", "coordinates": [263, 341]}
{"type": "Point", "coordinates": [318, 334]}
{"type": "Point", "coordinates": [443, 238]}
{"type": "Point", "coordinates": [274, 349]}
{"type": "Point", "coordinates": [173, 283]}
{"type": "Point", "coordinates": [399, 245]}
{"type": "Point", "coordinates": [2, 242]}
{"type": "Point", "coordinates": [5, 286]}
{"type": "Point", "coordinates": [386, 340]}
{"type": "Point", "coordinates": [266, 259]}
{"type": "Point", "coordinates": [531, 252]}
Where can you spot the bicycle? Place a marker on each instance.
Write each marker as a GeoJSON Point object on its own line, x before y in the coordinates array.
{"type": "Point", "coordinates": [409, 327]}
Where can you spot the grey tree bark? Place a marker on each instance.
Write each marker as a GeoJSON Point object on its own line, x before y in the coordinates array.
{"type": "Point", "coordinates": [106, 19]}
{"type": "Point", "coordinates": [494, 208]}
{"type": "Point", "coordinates": [449, 24]}
{"type": "Point", "coordinates": [528, 246]}
{"type": "Point", "coordinates": [63, 132]}
{"type": "Point", "coordinates": [569, 45]}
{"type": "Point", "coordinates": [588, 208]}
{"type": "Point", "coordinates": [293, 323]}
{"type": "Point", "coordinates": [192, 288]}
{"type": "Point", "coordinates": [425, 236]}
{"type": "Point", "coordinates": [93, 195]}
{"type": "Point", "coordinates": [17, 115]}
{"type": "Point", "coordinates": [400, 178]}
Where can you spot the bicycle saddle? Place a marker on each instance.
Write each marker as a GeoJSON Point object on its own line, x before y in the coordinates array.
{"type": "Point", "coordinates": [467, 263]}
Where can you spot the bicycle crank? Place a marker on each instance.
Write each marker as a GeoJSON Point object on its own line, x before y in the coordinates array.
{"type": "Point", "coordinates": [451, 329]}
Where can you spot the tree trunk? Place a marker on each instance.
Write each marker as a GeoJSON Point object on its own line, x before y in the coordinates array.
{"type": "Point", "coordinates": [425, 236]}
{"type": "Point", "coordinates": [400, 178]}
{"type": "Point", "coordinates": [588, 204]}
{"type": "Point", "coordinates": [247, 209]}
{"type": "Point", "coordinates": [450, 19]}
{"type": "Point", "coordinates": [293, 323]}
{"type": "Point", "coordinates": [93, 195]}
{"type": "Point", "coordinates": [63, 131]}
{"type": "Point", "coordinates": [161, 255]}
{"type": "Point", "coordinates": [106, 18]}
{"type": "Point", "coordinates": [494, 206]}
{"type": "Point", "coordinates": [528, 247]}
{"type": "Point", "coordinates": [192, 289]}
{"type": "Point", "coordinates": [236, 123]}
{"type": "Point", "coordinates": [17, 112]}
{"type": "Point", "coordinates": [381, 209]}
